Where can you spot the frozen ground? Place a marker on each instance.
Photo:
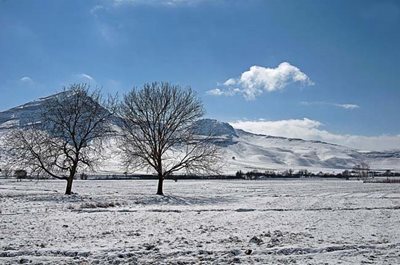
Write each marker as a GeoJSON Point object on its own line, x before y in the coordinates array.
{"type": "Point", "coordinates": [200, 222]}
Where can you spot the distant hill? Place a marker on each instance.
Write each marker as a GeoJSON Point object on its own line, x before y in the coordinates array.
{"type": "Point", "coordinates": [243, 150]}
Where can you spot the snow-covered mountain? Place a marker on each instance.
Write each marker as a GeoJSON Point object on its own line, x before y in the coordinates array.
{"type": "Point", "coordinates": [24, 114]}
{"type": "Point", "coordinates": [247, 151]}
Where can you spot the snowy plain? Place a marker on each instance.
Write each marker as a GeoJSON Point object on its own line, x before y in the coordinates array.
{"type": "Point", "coordinates": [200, 222]}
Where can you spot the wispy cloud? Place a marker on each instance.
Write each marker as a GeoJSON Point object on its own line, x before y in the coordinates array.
{"type": "Point", "coordinates": [108, 33]}
{"type": "Point", "coordinates": [83, 78]}
{"type": "Point", "coordinates": [308, 129]}
{"type": "Point", "coordinates": [346, 106]}
{"type": "Point", "coordinates": [223, 92]}
{"type": "Point", "coordinates": [258, 79]}
{"type": "Point", "coordinates": [86, 77]}
{"type": "Point", "coordinates": [172, 3]}
{"type": "Point", "coordinates": [94, 10]}
{"type": "Point", "coordinates": [26, 80]}
{"type": "Point", "coordinates": [113, 4]}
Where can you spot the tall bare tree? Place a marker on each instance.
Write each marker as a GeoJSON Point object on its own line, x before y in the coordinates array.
{"type": "Point", "coordinates": [66, 137]}
{"type": "Point", "coordinates": [158, 132]}
{"type": "Point", "coordinates": [362, 170]}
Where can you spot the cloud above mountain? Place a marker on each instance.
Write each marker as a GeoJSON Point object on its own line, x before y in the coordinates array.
{"type": "Point", "coordinates": [259, 79]}
{"type": "Point", "coordinates": [26, 79]}
{"type": "Point", "coordinates": [84, 78]}
{"type": "Point", "coordinates": [308, 129]}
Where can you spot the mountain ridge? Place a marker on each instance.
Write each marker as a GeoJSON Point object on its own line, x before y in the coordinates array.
{"type": "Point", "coordinates": [245, 150]}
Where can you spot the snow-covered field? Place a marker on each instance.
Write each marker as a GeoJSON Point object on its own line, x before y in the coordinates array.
{"type": "Point", "coordinates": [200, 222]}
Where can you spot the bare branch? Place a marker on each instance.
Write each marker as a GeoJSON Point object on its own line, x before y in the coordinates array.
{"type": "Point", "coordinates": [157, 131]}
{"type": "Point", "coordinates": [68, 136]}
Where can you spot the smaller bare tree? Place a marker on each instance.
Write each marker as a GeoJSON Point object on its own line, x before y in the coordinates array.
{"type": "Point", "coordinates": [67, 136]}
{"type": "Point", "coordinates": [362, 170]}
{"type": "Point", "coordinates": [159, 132]}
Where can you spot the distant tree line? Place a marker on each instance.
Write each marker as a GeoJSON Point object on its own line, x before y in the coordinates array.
{"type": "Point", "coordinates": [251, 175]}
{"type": "Point", "coordinates": [290, 173]}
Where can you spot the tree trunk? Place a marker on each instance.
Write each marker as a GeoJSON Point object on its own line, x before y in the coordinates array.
{"type": "Point", "coordinates": [72, 173]}
{"type": "Point", "coordinates": [68, 191]}
{"type": "Point", "coordinates": [160, 184]}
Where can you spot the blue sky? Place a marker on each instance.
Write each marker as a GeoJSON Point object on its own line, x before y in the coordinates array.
{"type": "Point", "coordinates": [324, 70]}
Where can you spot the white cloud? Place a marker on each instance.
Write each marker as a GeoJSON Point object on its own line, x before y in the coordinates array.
{"type": "Point", "coordinates": [346, 106]}
{"type": "Point", "coordinates": [308, 129]}
{"type": "Point", "coordinates": [109, 31]}
{"type": "Point", "coordinates": [258, 79]}
{"type": "Point", "coordinates": [26, 79]}
{"type": "Point", "coordinates": [225, 92]}
{"type": "Point", "coordinates": [230, 82]}
{"type": "Point", "coordinates": [85, 77]}
{"type": "Point", "coordinates": [215, 92]}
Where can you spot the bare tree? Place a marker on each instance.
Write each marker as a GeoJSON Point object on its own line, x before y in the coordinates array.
{"type": "Point", "coordinates": [66, 137]}
{"type": "Point", "coordinates": [159, 132]}
{"type": "Point", "coordinates": [362, 170]}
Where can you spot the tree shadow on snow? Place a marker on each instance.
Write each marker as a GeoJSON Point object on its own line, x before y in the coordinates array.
{"type": "Point", "coordinates": [179, 200]}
